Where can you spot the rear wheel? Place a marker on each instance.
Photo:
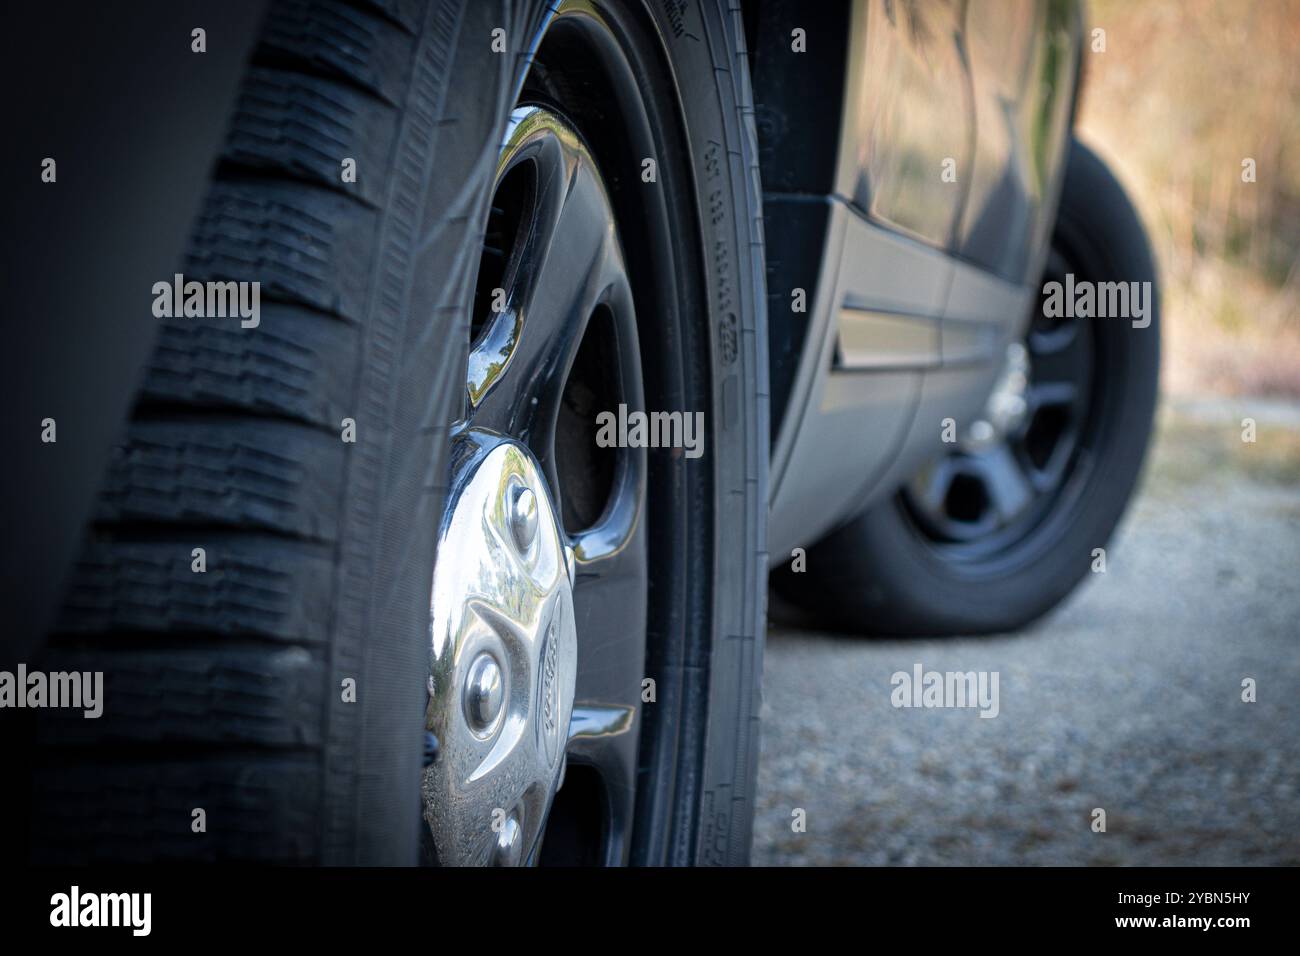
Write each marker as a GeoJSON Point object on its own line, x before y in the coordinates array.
{"type": "Point", "coordinates": [995, 533]}
{"type": "Point", "coordinates": [413, 425]}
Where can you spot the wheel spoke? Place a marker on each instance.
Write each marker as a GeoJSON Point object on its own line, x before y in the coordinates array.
{"type": "Point", "coordinates": [1008, 487]}
{"type": "Point", "coordinates": [1044, 442]}
{"type": "Point", "coordinates": [1051, 395]}
{"type": "Point", "coordinates": [604, 737]}
{"type": "Point", "coordinates": [1055, 354]}
{"type": "Point", "coordinates": [610, 607]}
{"type": "Point", "coordinates": [567, 264]}
{"type": "Point", "coordinates": [930, 490]}
{"type": "Point", "coordinates": [609, 598]}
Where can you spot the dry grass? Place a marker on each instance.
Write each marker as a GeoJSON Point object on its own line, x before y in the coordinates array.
{"type": "Point", "coordinates": [1191, 450]}
{"type": "Point", "coordinates": [1186, 90]}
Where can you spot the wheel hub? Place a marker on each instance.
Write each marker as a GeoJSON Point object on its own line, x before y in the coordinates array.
{"type": "Point", "coordinates": [1006, 408]}
{"type": "Point", "coordinates": [504, 657]}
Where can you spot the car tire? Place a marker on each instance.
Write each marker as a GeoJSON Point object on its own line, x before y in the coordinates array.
{"type": "Point", "coordinates": [885, 573]}
{"type": "Point", "coordinates": [255, 585]}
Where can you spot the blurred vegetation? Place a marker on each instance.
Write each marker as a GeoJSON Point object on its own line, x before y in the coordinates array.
{"type": "Point", "coordinates": [1184, 92]}
{"type": "Point", "coordinates": [1192, 450]}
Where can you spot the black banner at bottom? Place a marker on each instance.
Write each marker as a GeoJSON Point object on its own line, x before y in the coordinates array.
{"type": "Point", "coordinates": [218, 905]}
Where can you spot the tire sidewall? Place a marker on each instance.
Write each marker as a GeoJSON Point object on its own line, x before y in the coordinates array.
{"type": "Point", "coordinates": [704, 44]}
{"type": "Point", "coordinates": [411, 388]}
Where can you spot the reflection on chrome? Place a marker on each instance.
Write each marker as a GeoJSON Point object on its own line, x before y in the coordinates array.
{"type": "Point", "coordinates": [503, 657]}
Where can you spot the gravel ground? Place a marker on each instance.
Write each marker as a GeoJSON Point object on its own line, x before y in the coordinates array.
{"type": "Point", "coordinates": [1127, 698]}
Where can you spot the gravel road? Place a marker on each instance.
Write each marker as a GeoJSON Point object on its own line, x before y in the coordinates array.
{"type": "Point", "coordinates": [1126, 698]}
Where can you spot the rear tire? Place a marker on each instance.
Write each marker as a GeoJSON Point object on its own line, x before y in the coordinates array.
{"type": "Point", "coordinates": [883, 573]}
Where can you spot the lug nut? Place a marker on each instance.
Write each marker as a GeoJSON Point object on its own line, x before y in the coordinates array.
{"type": "Point", "coordinates": [509, 850]}
{"type": "Point", "coordinates": [484, 693]}
{"type": "Point", "coordinates": [523, 517]}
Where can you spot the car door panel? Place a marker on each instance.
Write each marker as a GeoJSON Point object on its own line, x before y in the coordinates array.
{"type": "Point", "coordinates": [1023, 56]}
{"type": "Point", "coordinates": [853, 408]}
{"type": "Point", "coordinates": [981, 314]}
{"type": "Point", "coordinates": [908, 117]}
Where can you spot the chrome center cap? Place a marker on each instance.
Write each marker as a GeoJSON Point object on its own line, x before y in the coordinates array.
{"type": "Point", "coordinates": [504, 657]}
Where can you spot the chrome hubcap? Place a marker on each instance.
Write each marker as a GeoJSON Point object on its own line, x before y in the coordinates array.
{"type": "Point", "coordinates": [504, 658]}
{"type": "Point", "coordinates": [523, 517]}
{"type": "Point", "coordinates": [483, 694]}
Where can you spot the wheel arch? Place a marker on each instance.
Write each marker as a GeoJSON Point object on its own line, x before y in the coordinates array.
{"type": "Point", "coordinates": [798, 116]}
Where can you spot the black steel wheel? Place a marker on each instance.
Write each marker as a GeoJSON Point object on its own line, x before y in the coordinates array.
{"type": "Point", "coordinates": [1029, 454]}
{"type": "Point", "coordinates": [601, 293]}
